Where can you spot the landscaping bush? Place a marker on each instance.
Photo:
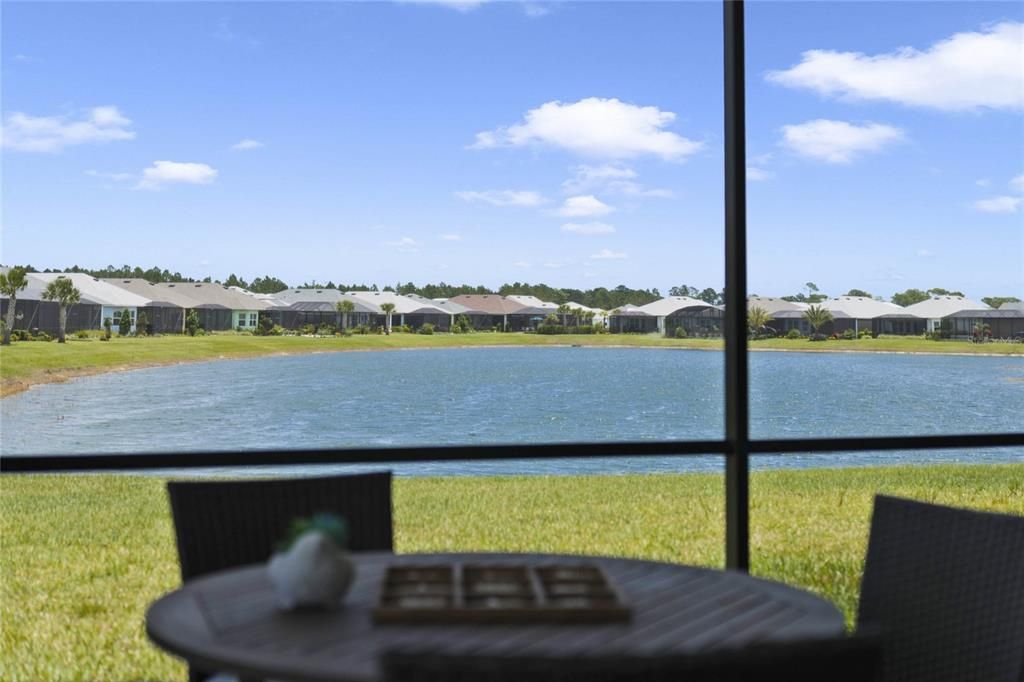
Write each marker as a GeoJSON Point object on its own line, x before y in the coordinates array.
{"type": "Point", "coordinates": [124, 323]}
{"type": "Point", "coordinates": [793, 334]}
{"type": "Point", "coordinates": [849, 335]}
{"type": "Point", "coordinates": [866, 334]}
{"type": "Point", "coordinates": [427, 328]}
{"type": "Point", "coordinates": [818, 336]}
{"type": "Point", "coordinates": [680, 333]}
{"type": "Point", "coordinates": [191, 323]}
{"type": "Point", "coordinates": [361, 329]}
{"type": "Point", "coordinates": [326, 329]}
{"type": "Point", "coordinates": [307, 330]}
{"type": "Point", "coordinates": [545, 328]}
{"type": "Point", "coordinates": [462, 325]}
{"type": "Point", "coordinates": [81, 334]}
{"type": "Point", "coordinates": [42, 336]}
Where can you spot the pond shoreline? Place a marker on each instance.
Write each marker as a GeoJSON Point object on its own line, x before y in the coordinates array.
{"type": "Point", "coordinates": [13, 386]}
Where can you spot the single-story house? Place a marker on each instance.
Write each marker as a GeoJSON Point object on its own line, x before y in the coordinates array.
{"type": "Point", "coordinates": [408, 311]}
{"type": "Point", "coordinates": [631, 319]}
{"type": "Point", "coordinates": [860, 312]}
{"type": "Point", "coordinates": [499, 312]}
{"type": "Point", "coordinates": [938, 307]}
{"type": "Point", "coordinates": [33, 313]}
{"type": "Point", "coordinates": [219, 307]}
{"type": "Point", "coordinates": [1001, 324]}
{"type": "Point", "coordinates": [785, 315]}
{"type": "Point", "coordinates": [162, 316]}
{"type": "Point", "coordinates": [112, 301]}
{"type": "Point", "coordinates": [697, 317]}
{"type": "Point", "coordinates": [297, 307]}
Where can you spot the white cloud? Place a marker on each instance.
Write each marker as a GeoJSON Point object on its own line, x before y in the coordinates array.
{"type": "Point", "coordinates": [405, 244]}
{"type": "Point", "coordinates": [247, 143]}
{"type": "Point", "coordinates": [607, 254]}
{"type": "Point", "coordinates": [925, 253]}
{"type": "Point", "coordinates": [521, 264]}
{"type": "Point", "coordinates": [451, 237]}
{"type": "Point", "coordinates": [594, 127]}
{"type": "Point", "coordinates": [175, 172]}
{"type": "Point", "coordinates": [584, 206]}
{"type": "Point", "coordinates": [52, 133]}
{"type": "Point", "coordinates": [998, 205]}
{"type": "Point", "coordinates": [966, 71]}
{"type": "Point", "coordinates": [755, 174]}
{"type": "Point", "coordinates": [22, 58]}
{"type": "Point", "coordinates": [535, 10]}
{"type": "Point", "coordinates": [837, 141]}
{"type": "Point", "coordinates": [588, 228]}
{"type": "Point", "coordinates": [982, 182]}
{"type": "Point", "coordinates": [504, 197]}
{"type": "Point", "coordinates": [1018, 183]}
{"type": "Point", "coordinates": [610, 177]}
{"type": "Point", "coordinates": [554, 265]}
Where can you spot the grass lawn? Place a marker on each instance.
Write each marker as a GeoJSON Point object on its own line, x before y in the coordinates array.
{"type": "Point", "coordinates": [82, 556]}
{"type": "Point", "coordinates": [25, 363]}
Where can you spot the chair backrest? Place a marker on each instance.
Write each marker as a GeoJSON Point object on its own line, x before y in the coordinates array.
{"type": "Point", "coordinates": [846, 659]}
{"type": "Point", "coordinates": [221, 524]}
{"type": "Point", "coordinates": [946, 586]}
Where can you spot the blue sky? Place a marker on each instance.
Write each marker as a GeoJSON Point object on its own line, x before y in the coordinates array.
{"type": "Point", "coordinates": [577, 144]}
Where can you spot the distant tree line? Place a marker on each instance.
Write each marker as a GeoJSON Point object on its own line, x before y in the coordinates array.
{"type": "Point", "coordinates": [600, 297]}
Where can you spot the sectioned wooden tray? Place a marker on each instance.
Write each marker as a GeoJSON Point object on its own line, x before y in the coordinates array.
{"type": "Point", "coordinates": [499, 593]}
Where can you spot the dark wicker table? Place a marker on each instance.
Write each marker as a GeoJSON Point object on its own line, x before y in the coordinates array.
{"type": "Point", "coordinates": [229, 621]}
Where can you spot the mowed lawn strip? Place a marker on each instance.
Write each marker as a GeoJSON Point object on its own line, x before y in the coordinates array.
{"type": "Point", "coordinates": [31, 362]}
{"type": "Point", "coordinates": [82, 556]}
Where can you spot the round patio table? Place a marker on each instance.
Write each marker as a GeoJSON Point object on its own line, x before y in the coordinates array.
{"type": "Point", "coordinates": [229, 621]}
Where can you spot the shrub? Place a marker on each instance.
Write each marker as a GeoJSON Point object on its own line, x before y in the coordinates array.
{"type": "Point", "coordinates": [866, 334]}
{"type": "Point", "coordinates": [849, 335]}
{"type": "Point", "coordinates": [81, 334]}
{"type": "Point", "coordinates": [42, 336]}
{"type": "Point", "coordinates": [818, 336]}
{"type": "Point", "coordinates": [326, 329]}
{"type": "Point", "coordinates": [307, 329]}
{"type": "Point", "coordinates": [361, 329]}
{"type": "Point", "coordinates": [462, 325]}
{"type": "Point", "coordinates": [545, 328]}
{"type": "Point", "coordinates": [680, 333]}
{"type": "Point", "coordinates": [142, 325]}
{"type": "Point", "coordinates": [427, 328]}
{"type": "Point", "coordinates": [793, 334]}
{"type": "Point", "coordinates": [192, 322]}
{"type": "Point", "coordinates": [124, 323]}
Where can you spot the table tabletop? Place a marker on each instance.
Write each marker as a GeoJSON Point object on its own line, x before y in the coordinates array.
{"type": "Point", "coordinates": [230, 621]}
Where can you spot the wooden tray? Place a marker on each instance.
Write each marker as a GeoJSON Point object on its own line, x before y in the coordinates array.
{"type": "Point", "coordinates": [499, 593]}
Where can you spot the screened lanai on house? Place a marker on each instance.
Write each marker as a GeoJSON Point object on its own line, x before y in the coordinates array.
{"type": "Point", "coordinates": [858, 313]}
{"type": "Point", "coordinates": [407, 311]}
{"type": "Point", "coordinates": [112, 300]}
{"type": "Point", "coordinates": [297, 307]}
{"type": "Point", "coordinates": [33, 313]}
{"type": "Point", "coordinates": [163, 316]}
{"type": "Point", "coordinates": [938, 307]}
{"type": "Point", "coordinates": [630, 319]}
{"type": "Point", "coordinates": [696, 317]}
{"type": "Point", "coordinates": [219, 307]}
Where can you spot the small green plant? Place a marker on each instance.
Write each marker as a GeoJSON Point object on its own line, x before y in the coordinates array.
{"type": "Point", "coordinates": [191, 322]}
{"type": "Point", "coordinates": [81, 334]}
{"type": "Point", "coordinates": [680, 333]}
{"type": "Point", "coordinates": [142, 325]}
{"type": "Point", "coordinates": [124, 323]}
{"type": "Point", "coordinates": [793, 334]}
{"type": "Point", "coordinates": [331, 525]}
{"type": "Point", "coordinates": [427, 328]}
{"type": "Point", "coordinates": [849, 335]}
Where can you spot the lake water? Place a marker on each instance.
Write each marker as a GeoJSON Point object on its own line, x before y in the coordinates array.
{"type": "Point", "coordinates": [521, 395]}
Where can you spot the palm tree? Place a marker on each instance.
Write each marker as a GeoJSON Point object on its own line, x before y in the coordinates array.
{"type": "Point", "coordinates": [11, 282]}
{"type": "Point", "coordinates": [388, 308]}
{"type": "Point", "coordinates": [344, 307]}
{"type": "Point", "coordinates": [563, 310]}
{"type": "Point", "coordinates": [66, 294]}
{"type": "Point", "coordinates": [817, 317]}
{"type": "Point", "coordinates": [757, 319]}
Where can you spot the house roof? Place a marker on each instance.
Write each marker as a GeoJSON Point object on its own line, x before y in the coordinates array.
{"type": "Point", "coordinates": [492, 304]}
{"type": "Point", "coordinates": [938, 307]}
{"type": "Point", "coordinates": [207, 295]}
{"type": "Point", "coordinates": [33, 290]}
{"type": "Point", "coordinates": [531, 301]}
{"type": "Point", "coordinates": [403, 304]}
{"type": "Point", "coordinates": [670, 304]}
{"type": "Point", "coordinates": [861, 307]}
{"type": "Point", "coordinates": [146, 289]}
{"type": "Point", "coordinates": [448, 306]}
{"type": "Point", "coordinates": [95, 290]}
{"type": "Point", "coordinates": [1012, 305]}
{"type": "Point", "coordinates": [331, 297]}
{"type": "Point", "coordinates": [630, 310]}
{"type": "Point", "coordinates": [774, 305]}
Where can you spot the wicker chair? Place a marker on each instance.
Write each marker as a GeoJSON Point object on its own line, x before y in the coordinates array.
{"type": "Point", "coordinates": [223, 524]}
{"type": "Point", "coordinates": [847, 659]}
{"type": "Point", "coordinates": [946, 586]}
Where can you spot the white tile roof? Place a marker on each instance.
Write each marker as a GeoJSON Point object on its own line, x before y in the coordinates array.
{"type": "Point", "coordinates": [532, 301]}
{"type": "Point", "coordinates": [774, 305]}
{"type": "Point", "coordinates": [862, 308]}
{"type": "Point", "coordinates": [95, 290]}
{"type": "Point", "coordinates": [938, 307]}
{"type": "Point", "coordinates": [403, 304]}
{"type": "Point", "coordinates": [671, 304]}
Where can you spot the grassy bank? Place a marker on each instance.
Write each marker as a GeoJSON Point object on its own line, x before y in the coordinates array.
{"type": "Point", "coordinates": [82, 556]}
{"type": "Point", "coordinates": [26, 363]}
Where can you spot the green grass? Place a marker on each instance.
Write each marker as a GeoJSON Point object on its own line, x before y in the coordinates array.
{"type": "Point", "coordinates": [82, 556]}
{"type": "Point", "coordinates": [26, 363]}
